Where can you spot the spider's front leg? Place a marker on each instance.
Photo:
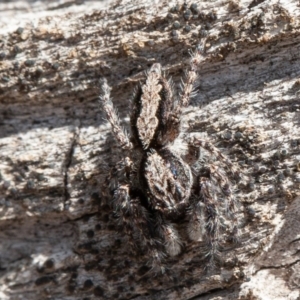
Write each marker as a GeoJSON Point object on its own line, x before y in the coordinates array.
{"type": "Point", "coordinates": [214, 200]}
{"type": "Point", "coordinates": [194, 145]}
{"type": "Point", "coordinates": [132, 216]}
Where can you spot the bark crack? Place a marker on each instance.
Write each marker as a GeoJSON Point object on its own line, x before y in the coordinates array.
{"type": "Point", "coordinates": [277, 267]}
{"type": "Point", "coordinates": [67, 164]}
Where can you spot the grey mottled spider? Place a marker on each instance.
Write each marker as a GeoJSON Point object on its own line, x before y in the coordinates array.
{"type": "Point", "coordinates": [155, 187]}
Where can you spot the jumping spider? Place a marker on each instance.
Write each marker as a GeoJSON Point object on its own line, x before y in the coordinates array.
{"type": "Point", "coordinates": [154, 187]}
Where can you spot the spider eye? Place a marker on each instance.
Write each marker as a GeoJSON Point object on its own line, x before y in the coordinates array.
{"type": "Point", "coordinates": [174, 172]}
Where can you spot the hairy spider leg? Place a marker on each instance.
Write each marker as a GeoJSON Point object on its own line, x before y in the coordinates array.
{"type": "Point", "coordinates": [218, 174]}
{"type": "Point", "coordinates": [187, 92]}
{"type": "Point", "coordinates": [112, 116]}
{"type": "Point", "coordinates": [212, 219]}
{"type": "Point", "coordinates": [214, 194]}
{"type": "Point", "coordinates": [133, 217]}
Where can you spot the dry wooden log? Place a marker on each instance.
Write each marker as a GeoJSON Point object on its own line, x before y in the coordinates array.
{"type": "Point", "coordinates": [58, 239]}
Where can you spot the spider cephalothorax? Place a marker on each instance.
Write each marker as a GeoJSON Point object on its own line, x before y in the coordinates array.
{"type": "Point", "coordinates": [155, 187]}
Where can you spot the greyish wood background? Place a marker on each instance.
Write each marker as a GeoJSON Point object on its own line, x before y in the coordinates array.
{"type": "Point", "coordinates": [58, 239]}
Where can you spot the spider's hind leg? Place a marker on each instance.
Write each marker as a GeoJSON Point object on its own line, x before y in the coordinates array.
{"type": "Point", "coordinates": [112, 117]}
{"type": "Point", "coordinates": [187, 86]}
{"type": "Point", "coordinates": [170, 110]}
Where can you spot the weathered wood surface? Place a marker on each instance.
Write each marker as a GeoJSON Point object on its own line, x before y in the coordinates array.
{"type": "Point", "coordinates": [58, 239]}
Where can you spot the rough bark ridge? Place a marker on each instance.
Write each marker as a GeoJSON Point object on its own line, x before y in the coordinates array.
{"type": "Point", "coordinates": [58, 239]}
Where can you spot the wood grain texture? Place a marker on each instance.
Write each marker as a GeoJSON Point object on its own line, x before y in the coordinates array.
{"type": "Point", "coordinates": [58, 239]}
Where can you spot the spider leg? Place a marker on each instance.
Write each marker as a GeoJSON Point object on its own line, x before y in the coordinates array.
{"type": "Point", "coordinates": [132, 215]}
{"type": "Point", "coordinates": [187, 88]}
{"type": "Point", "coordinates": [212, 218]}
{"type": "Point", "coordinates": [134, 218]}
{"type": "Point", "coordinates": [196, 227]}
{"type": "Point", "coordinates": [196, 143]}
{"type": "Point", "coordinates": [112, 117]}
{"type": "Point", "coordinates": [215, 195]}
{"type": "Point", "coordinates": [218, 174]}
{"type": "Point", "coordinates": [155, 118]}
{"type": "Point", "coordinates": [169, 235]}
